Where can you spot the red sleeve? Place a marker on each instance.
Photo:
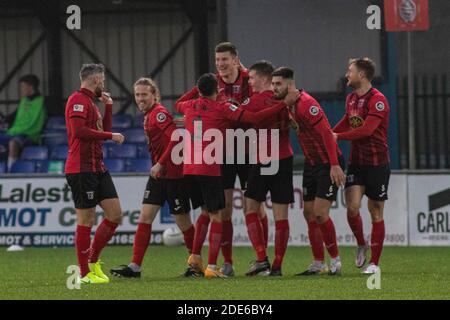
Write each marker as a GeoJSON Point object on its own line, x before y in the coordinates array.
{"type": "Point", "coordinates": [107, 118]}
{"type": "Point", "coordinates": [78, 107]}
{"type": "Point", "coordinates": [162, 120]}
{"type": "Point", "coordinates": [343, 125]}
{"type": "Point", "coordinates": [165, 156]}
{"type": "Point", "coordinates": [366, 130]}
{"type": "Point", "coordinates": [329, 142]}
{"type": "Point", "coordinates": [310, 110]}
{"type": "Point", "coordinates": [185, 101]}
{"type": "Point", "coordinates": [378, 106]}
{"type": "Point", "coordinates": [81, 131]}
{"type": "Point", "coordinates": [253, 103]}
{"type": "Point", "coordinates": [248, 116]}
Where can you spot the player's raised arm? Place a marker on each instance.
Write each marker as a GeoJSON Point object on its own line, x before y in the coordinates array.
{"type": "Point", "coordinates": [107, 117]}
{"type": "Point", "coordinates": [250, 117]}
{"type": "Point", "coordinates": [185, 101]}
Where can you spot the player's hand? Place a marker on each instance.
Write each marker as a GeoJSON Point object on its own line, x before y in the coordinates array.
{"type": "Point", "coordinates": [155, 171]}
{"type": "Point", "coordinates": [337, 176]}
{"type": "Point", "coordinates": [292, 97]}
{"type": "Point", "coordinates": [118, 138]}
{"type": "Point", "coordinates": [106, 98]}
{"type": "Point", "coordinates": [335, 136]}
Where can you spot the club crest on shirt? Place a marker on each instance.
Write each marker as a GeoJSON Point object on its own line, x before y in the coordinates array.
{"type": "Point", "coordinates": [356, 121]}
{"type": "Point", "coordinates": [90, 195]}
{"type": "Point", "coordinates": [360, 103]}
{"type": "Point", "coordinates": [236, 89]}
{"type": "Point", "coordinates": [161, 117]}
{"type": "Point", "coordinates": [78, 108]}
{"type": "Point", "coordinates": [314, 110]}
{"type": "Point", "coordinates": [379, 106]}
{"type": "Point", "coordinates": [246, 101]}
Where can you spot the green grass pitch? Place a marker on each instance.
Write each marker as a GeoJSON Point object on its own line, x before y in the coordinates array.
{"type": "Point", "coordinates": [407, 273]}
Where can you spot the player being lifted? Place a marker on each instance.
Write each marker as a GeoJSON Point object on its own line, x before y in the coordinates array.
{"type": "Point", "coordinates": [233, 84]}
{"type": "Point", "coordinates": [202, 114]}
{"type": "Point", "coordinates": [166, 181]}
{"type": "Point", "coordinates": [280, 184]}
{"type": "Point", "coordinates": [322, 174]}
{"type": "Point", "coordinates": [86, 174]}
{"type": "Point", "coordinates": [365, 123]}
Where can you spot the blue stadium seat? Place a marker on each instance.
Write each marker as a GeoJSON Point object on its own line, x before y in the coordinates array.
{"type": "Point", "coordinates": [53, 138]}
{"type": "Point", "coordinates": [56, 123]}
{"type": "Point", "coordinates": [135, 135]}
{"type": "Point", "coordinates": [59, 153]}
{"type": "Point", "coordinates": [122, 121]}
{"type": "Point", "coordinates": [34, 153]}
{"type": "Point", "coordinates": [23, 166]}
{"type": "Point", "coordinates": [2, 167]}
{"type": "Point", "coordinates": [138, 165]}
{"type": "Point", "coordinates": [41, 166]}
{"type": "Point", "coordinates": [123, 151]}
{"type": "Point", "coordinates": [115, 165]}
{"type": "Point", "coordinates": [143, 151]}
{"type": "Point", "coordinates": [138, 121]}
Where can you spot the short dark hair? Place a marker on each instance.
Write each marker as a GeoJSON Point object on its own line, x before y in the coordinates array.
{"type": "Point", "coordinates": [263, 68]}
{"type": "Point", "coordinates": [227, 47]}
{"type": "Point", "coordinates": [30, 79]}
{"type": "Point", "coordinates": [284, 72]}
{"type": "Point", "coordinates": [364, 64]}
{"type": "Point", "coordinates": [89, 69]}
{"type": "Point", "coordinates": [207, 84]}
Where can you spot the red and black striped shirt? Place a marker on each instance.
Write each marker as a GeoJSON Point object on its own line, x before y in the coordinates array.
{"type": "Point", "coordinates": [366, 149]}
{"type": "Point", "coordinates": [314, 132]}
{"type": "Point", "coordinates": [86, 130]}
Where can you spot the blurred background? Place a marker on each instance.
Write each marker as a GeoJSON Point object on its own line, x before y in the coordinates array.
{"type": "Point", "coordinates": [173, 42]}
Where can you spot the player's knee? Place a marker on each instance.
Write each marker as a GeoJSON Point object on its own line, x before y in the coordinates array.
{"type": "Point", "coordinates": [116, 217]}
{"type": "Point", "coordinates": [353, 208]}
{"type": "Point", "coordinates": [215, 217]}
{"type": "Point", "coordinates": [376, 210]}
{"type": "Point", "coordinates": [183, 221]}
{"type": "Point", "coordinates": [252, 206]}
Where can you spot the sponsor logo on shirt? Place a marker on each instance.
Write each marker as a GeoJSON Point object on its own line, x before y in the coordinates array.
{"type": "Point", "coordinates": [356, 121]}
{"type": "Point", "coordinates": [379, 106]}
{"type": "Point", "coordinates": [78, 108]}
{"type": "Point", "coordinates": [161, 117]}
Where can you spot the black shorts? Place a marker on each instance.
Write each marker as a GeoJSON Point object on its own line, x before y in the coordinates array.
{"type": "Point", "coordinates": [174, 191]}
{"type": "Point", "coordinates": [317, 182]}
{"type": "Point", "coordinates": [229, 173]}
{"type": "Point", "coordinates": [375, 179]}
{"type": "Point", "coordinates": [89, 189]}
{"type": "Point", "coordinates": [206, 192]}
{"type": "Point", "coordinates": [280, 185]}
